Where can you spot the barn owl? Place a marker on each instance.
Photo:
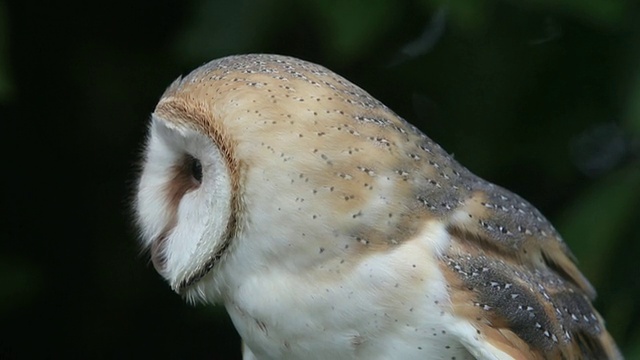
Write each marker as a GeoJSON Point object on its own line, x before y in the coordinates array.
{"type": "Point", "coordinates": [330, 228]}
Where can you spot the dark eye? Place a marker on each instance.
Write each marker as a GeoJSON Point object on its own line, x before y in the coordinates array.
{"type": "Point", "coordinates": [195, 167]}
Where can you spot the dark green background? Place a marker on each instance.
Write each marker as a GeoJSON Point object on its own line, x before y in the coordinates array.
{"type": "Point", "coordinates": [539, 96]}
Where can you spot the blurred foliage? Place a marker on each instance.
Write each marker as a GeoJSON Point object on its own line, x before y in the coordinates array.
{"type": "Point", "coordinates": [632, 116]}
{"type": "Point", "coordinates": [539, 96]}
{"type": "Point", "coordinates": [346, 34]}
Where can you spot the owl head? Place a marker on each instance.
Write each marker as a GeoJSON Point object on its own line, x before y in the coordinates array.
{"type": "Point", "coordinates": [261, 162]}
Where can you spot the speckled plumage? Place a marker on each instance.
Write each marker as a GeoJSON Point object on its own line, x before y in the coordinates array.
{"type": "Point", "coordinates": [341, 231]}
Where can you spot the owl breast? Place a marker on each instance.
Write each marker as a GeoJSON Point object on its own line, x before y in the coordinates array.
{"type": "Point", "coordinates": [391, 304]}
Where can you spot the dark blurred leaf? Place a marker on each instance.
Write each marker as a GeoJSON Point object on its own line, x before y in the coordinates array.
{"type": "Point", "coordinates": [471, 13]}
{"type": "Point", "coordinates": [600, 148]}
{"type": "Point", "coordinates": [352, 26]}
{"type": "Point", "coordinates": [467, 14]}
{"type": "Point", "coordinates": [600, 11]}
{"type": "Point", "coordinates": [594, 224]}
{"type": "Point", "coordinates": [633, 107]}
{"type": "Point", "coordinates": [218, 28]}
{"type": "Point", "coordinates": [634, 349]}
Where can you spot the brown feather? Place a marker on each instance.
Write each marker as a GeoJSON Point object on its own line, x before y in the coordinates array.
{"type": "Point", "coordinates": [524, 310]}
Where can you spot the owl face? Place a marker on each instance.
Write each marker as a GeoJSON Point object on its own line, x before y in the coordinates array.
{"type": "Point", "coordinates": [329, 226]}
{"type": "Point", "coordinates": [183, 201]}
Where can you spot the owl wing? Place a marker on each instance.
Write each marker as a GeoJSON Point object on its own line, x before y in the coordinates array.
{"type": "Point", "coordinates": [513, 278]}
